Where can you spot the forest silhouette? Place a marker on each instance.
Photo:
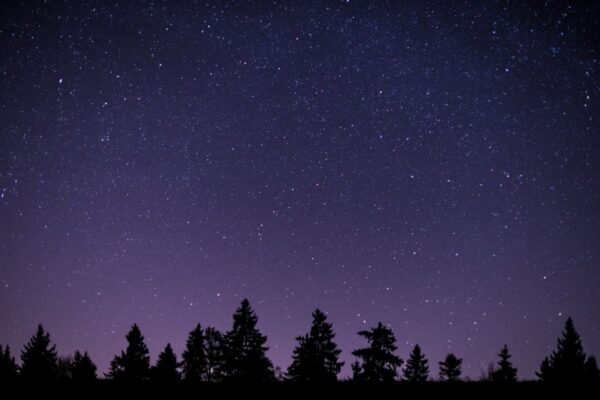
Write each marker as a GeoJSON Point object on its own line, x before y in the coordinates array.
{"type": "Point", "coordinates": [239, 356]}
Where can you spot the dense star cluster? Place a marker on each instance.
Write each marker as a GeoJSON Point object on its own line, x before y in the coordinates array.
{"type": "Point", "coordinates": [432, 165]}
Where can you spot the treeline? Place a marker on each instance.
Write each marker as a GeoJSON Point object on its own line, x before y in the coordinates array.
{"type": "Point", "coordinates": [239, 356]}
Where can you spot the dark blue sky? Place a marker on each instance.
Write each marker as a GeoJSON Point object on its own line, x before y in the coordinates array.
{"type": "Point", "coordinates": [431, 165]}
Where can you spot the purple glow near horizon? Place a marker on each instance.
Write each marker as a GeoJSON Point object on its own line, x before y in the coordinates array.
{"type": "Point", "coordinates": [433, 167]}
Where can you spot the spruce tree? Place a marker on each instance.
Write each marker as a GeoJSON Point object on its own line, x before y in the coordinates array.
{"type": "Point", "coordinates": [83, 369]}
{"type": "Point", "coordinates": [246, 359]}
{"type": "Point", "coordinates": [416, 369]}
{"type": "Point", "coordinates": [64, 365]}
{"type": "Point", "coordinates": [316, 357]}
{"type": "Point", "coordinates": [8, 367]}
{"type": "Point", "coordinates": [133, 365]}
{"type": "Point", "coordinates": [194, 364]}
{"type": "Point", "coordinates": [377, 362]}
{"type": "Point", "coordinates": [592, 373]}
{"type": "Point", "coordinates": [566, 364]}
{"type": "Point", "coordinates": [450, 368]}
{"type": "Point", "coordinates": [546, 370]}
{"type": "Point", "coordinates": [215, 355]}
{"type": "Point", "coordinates": [505, 373]}
{"type": "Point", "coordinates": [38, 358]}
{"type": "Point", "coordinates": [166, 370]}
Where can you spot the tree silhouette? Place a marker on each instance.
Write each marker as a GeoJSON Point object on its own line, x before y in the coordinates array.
{"type": "Point", "coordinates": [592, 373]}
{"type": "Point", "coordinates": [8, 367]}
{"type": "Point", "coordinates": [416, 369]}
{"type": "Point", "coordinates": [194, 362]}
{"type": "Point", "coordinates": [506, 373]}
{"type": "Point", "coordinates": [566, 364]}
{"type": "Point", "coordinates": [488, 373]}
{"type": "Point", "coordinates": [215, 355]}
{"type": "Point", "coordinates": [133, 365]}
{"type": "Point", "coordinates": [315, 358]}
{"type": "Point", "coordinates": [64, 365]}
{"type": "Point", "coordinates": [450, 368]}
{"type": "Point", "coordinates": [83, 370]}
{"type": "Point", "coordinates": [377, 362]}
{"type": "Point", "coordinates": [38, 358]}
{"type": "Point", "coordinates": [245, 355]}
{"type": "Point", "coordinates": [166, 370]}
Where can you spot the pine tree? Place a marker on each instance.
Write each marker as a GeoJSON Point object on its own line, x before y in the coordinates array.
{"type": "Point", "coordinates": [38, 358]}
{"type": "Point", "coordinates": [133, 365]}
{"type": "Point", "coordinates": [64, 365]}
{"type": "Point", "coordinates": [566, 364]}
{"type": "Point", "coordinates": [416, 369]}
{"type": "Point", "coordinates": [450, 368]}
{"type": "Point", "coordinates": [506, 373]}
{"type": "Point", "coordinates": [546, 370]}
{"type": "Point", "coordinates": [166, 372]}
{"type": "Point", "coordinates": [8, 367]}
{"type": "Point", "coordinates": [215, 355]}
{"type": "Point", "coordinates": [592, 373]}
{"type": "Point", "coordinates": [487, 375]}
{"type": "Point", "coordinates": [246, 359]}
{"type": "Point", "coordinates": [377, 363]}
{"type": "Point", "coordinates": [194, 362]}
{"type": "Point", "coordinates": [315, 358]}
{"type": "Point", "coordinates": [83, 370]}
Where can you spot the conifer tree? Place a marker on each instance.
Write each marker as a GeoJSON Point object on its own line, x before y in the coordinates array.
{"type": "Point", "coordinates": [377, 362]}
{"type": "Point", "coordinates": [64, 365]}
{"type": "Point", "coordinates": [567, 362]}
{"type": "Point", "coordinates": [316, 357]}
{"type": "Point", "coordinates": [592, 373]}
{"type": "Point", "coordinates": [83, 370]}
{"type": "Point", "coordinates": [450, 368]}
{"type": "Point", "coordinates": [505, 373]}
{"type": "Point", "coordinates": [166, 370]}
{"type": "Point", "coordinates": [194, 362]}
{"type": "Point", "coordinates": [8, 367]}
{"type": "Point", "coordinates": [245, 358]}
{"type": "Point", "coordinates": [416, 369]}
{"type": "Point", "coordinates": [38, 358]}
{"type": "Point", "coordinates": [215, 355]}
{"type": "Point", "coordinates": [133, 365]}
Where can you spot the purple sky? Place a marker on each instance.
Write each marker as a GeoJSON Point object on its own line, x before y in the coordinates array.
{"type": "Point", "coordinates": [432, 166]}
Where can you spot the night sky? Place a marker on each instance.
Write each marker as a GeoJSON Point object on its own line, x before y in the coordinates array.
{"type": "Point", "coordinates": [433, 165]}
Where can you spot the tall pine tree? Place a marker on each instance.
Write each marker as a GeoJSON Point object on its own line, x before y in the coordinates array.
{"type": "Point", "coordinates": [8, 367]}
{"type": "Point", "coordinates": [450, 368]}
{"type": "Point", "coordinates": [166, 370]}
{"type": "Point", "coordinates": [245, 358]}
{"type": "Point", "coordinates": [592, 373]}
{"type": "Point", "coordinates": [64, 366]}
{"type": "Point", "coordinates": [377, 362]}
{"type": "Point", "coordinates": [566, 364]}
{"type": "Point", "coordinates": [316, 357]}
{"type": "Point", "coordinates": [215, 355]}
{"type": "Point", "coordinates": [83, 370]}
{"type": "Point", "coordinates": [194, 362]}
{"type": "Point", "coordinates": [133, 365]}
{"type": "Point", "coordinates": [505, 373]}
{"type": "Point", "coordinates": [417, 369]}
{"type": "Point", "coordinates": [38, 358]}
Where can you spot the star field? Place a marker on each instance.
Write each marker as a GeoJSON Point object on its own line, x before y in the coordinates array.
{"type": "Point", "coordinates": [431, 165]}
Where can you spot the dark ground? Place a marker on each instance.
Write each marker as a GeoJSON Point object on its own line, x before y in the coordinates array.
{"type": "Point", "coordinates": [107, 390]}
